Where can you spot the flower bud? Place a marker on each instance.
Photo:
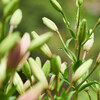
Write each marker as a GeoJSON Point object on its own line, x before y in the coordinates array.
{"type": "Point", "coordinates": [88, 45]}
{"type": "Point", "coordinates": [39, 42]}
{"type": "Point", "coordinates": [56, 5]}
{"type": "Point", "coordinates": [99, 21]}
{"type": "Point", "coordinates": [46, 68]}
{"type": "Point", "coordinates": [79, 3]}
{"type": "Point", "coordinates": [82, 69]}
{"type": "Point", "coordinates": [16, 18]}
{"type": "Point", "coordinates": [37, 72]}
{"type": "Point", "coordinates": [19, 53]}
{"type": "Point", "coordinates": [82, 31]}
{"type": "Point", "coordinates": [17, 81]}
{"type": "Point", "coordinates": [33, 93]}
{"type": "Point", "coordinates": [26, 70]}
{"type": "Point", "coordinates": [63, 67]}
{"type": "Point", "coordinates": [52, 83]}
{"type": "Point", "coordinates": [55, 64]}
{"type": "Point", "coordinates": [98, 59]}
{"type": "Point", "coordinates": [2, 71]}
{"type": "Point", "coordinates": [50, 24]}
{"type": "Point", "coordinates": [10, 7]}
{"type": "Point", "coordinates": [45, 49]}
{"type": "Point", "coordinates": [5, 2]}
{"type": "Point", "coordinates": [9, 42]}
{"type": "Point", "coordinates": [38, 61]}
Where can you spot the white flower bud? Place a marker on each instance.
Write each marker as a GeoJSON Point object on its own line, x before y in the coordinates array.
{"type": "Point", "coordinates": [88, 45]}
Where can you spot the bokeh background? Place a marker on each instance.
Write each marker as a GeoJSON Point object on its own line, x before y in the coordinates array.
{"type": "Point", "coordinates": [35, 10]}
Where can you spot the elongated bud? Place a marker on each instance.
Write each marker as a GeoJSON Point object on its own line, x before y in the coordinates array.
{"type": "Point", "coordinates": [33, 93]}
{"type": "Point", "coordinates": [52, 84]}
{"type": "Point", "coordinates": [26, 70]}
{"type": "Point", "coordinates": [79, 3]}
{"type": "Point", "coordinates": [5, 2]}
{"type": "Point", "coordinates": [36, 43]}
{"type": "Point", "coordinates": [55, 64]}
{"type": "Point", "coordinates": [88, 45]}
{"type": "Point", "coordinates": [46, 68]}
{"type": "Point", "coordinates": [63, 67]}
{"type": "Point", "coordinates": [37, 72]}
{"type": "Point", "coordinates": [9, 42]}
{"type": "Point", "coordinates": [16, 18]}
{"type": "Point", "coordinates": [98, 59]}
{"type": "Point", "coordinates": [3, 66]}
{"type": "Point", "coordinates": [82, 31]}
{"type": "Point", "coordinates": [17, 81]}
{"type": "Point", "coordinates": [99, 21]}
{"type": "Point", "coordinates": [38, 61]}
{"type": "Point", "coordinates": [50, 24]}
{"type": "Point", "coordinates": [45, 49]}
{"type": "Point", "coordinates": [82, 69]}
{"type": "Point", "coordinates": [10, 7]}
{"type": "Point", "coordinates": [56, 5]}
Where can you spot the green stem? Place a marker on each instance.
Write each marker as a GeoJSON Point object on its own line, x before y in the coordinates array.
{"type": "Point", "coordinates": [98, 94]}
{"type": "Point", "coordinates": [76, 41]}
{"type": "Point", "coordinates": [3, 28]}
{"type": "Point", "coordinates": [94, 28]}
{"type": "Point", "coordinates": [88, 95]}
{"type": "Point", "coordinates": [57, 83]}
{"type": "Point", "coordinates": [68, 89]}
{"type": "Point", "coordinates": [79, 49]}
{"type": "Point", "coordinates": [88, 76]}
{"type": "Point", "coordinates": [49, 94]}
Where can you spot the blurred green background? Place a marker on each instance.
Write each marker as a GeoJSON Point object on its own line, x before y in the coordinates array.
{"type": "Point", "coordinates": [35, 10]}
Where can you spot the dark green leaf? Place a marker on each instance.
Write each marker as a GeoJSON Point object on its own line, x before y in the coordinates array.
{"type": "Point", "coordinates": [69, 95]}
{"type": "Point", "coordinates": [76, 65]}
{"type": "Point", "coordinates": [68, 41]}
{"type": "Point", "coordinates": [86, 85]}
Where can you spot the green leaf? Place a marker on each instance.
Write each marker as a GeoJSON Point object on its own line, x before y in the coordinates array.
{"type": "Point", "coordinates": [26, 70]}
{"type": "Point", "coordinates": [76, 65]}
{"type": "Point", "coordinates": [66, 72]}
{"type": "Point", "coordinates": [69, 95]}
{"type": "Point", "coordinates": [59, 85]}
{"type": "Point", "coordinates": [46, 68]}
{"type": "Point", "coordinates": [11, 91]}
{"type": "Point", "coordinates": [86, 85]}
{"type": "Point", "coordinates": [82, 31]}
{"type": "Point", "coordinates": [72, 33]}
{"type": "Point", "coordinates": [68, 41]}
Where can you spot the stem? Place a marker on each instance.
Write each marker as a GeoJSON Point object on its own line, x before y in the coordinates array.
{"type": "Point", "coordinates": [76, 41]}
{"type": "Point", "coordinates": [98, 94]}
{"type": "Point", "coordinates": [57, 83]}
{"type": "Point", "coordinates": [88, 76]}
{"type": "Point", "coordinates": [49, 94]}
{"type": "Point", "coordinates": [3, 28]}
{"type": "Point", "coordinates": [84, 55]}
{"type": "Point", "coordinates": [79, 49]}
{"type": "Point", "coordinates": [88, 95]}
{"type": "Point", "coordinates": [11, 29]}
{"type": "Point", "coordinates": [94, 28]}
{"type": "Point", "coordinates": [68, 89]}
{"type": "Point", "coordinates": [62, 41]}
